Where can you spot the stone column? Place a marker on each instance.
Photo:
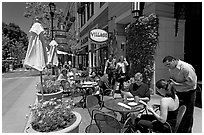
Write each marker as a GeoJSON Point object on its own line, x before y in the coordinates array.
{"type": "Point", "coordinates": [168, 43]}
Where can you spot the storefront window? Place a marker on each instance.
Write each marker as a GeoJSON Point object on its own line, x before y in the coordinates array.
{"type": "Point", "coordinates": [83, 18]}
{"type": "Point", "coordinates": [92, 8]}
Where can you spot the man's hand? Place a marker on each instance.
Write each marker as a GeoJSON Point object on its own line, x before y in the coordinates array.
{"type": "Point", "coordinates": [150, 108]}
{"type": "Point", "coordinates": [173, 82]}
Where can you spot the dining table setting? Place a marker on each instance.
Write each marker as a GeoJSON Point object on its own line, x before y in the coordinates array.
{"type": "Point", "coordinates": [125, 106]}
{"type": "Point", "coordinates": [86, 88]}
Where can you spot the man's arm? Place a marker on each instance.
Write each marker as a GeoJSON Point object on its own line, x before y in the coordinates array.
{"type": "Point", "coordinates": [190, 80]}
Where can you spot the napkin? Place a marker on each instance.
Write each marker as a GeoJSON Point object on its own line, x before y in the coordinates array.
{"type": "Point", "coordinates": [124, 105]}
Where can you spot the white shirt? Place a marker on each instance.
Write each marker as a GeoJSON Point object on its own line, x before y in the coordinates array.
{"type": "Point", "coordinates": [122, 64]}
{"type": "Point", "coordinates": [184, 72]}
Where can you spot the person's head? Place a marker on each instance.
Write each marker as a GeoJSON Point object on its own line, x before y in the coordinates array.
{"type": "Point", "coordinates": [110, 57]}
{"type": "Point", "coordinates": [64, 71]}
{"type": "Point", "coordinates": [121, 59]}
{"type": "Point", "coordinates": [163, 88]}
{"type": "Point", "coordinates": [63, 82]}
{"type": "Point", "coordinates": [93, 74]}
{"type": "Point", "coordinates": [138, 78]}
{"type": "Point", "coordinates": [170, 62]}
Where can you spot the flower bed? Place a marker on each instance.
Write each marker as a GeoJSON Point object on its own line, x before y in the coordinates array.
{"type": "Point", "coordinates": [51, 116]}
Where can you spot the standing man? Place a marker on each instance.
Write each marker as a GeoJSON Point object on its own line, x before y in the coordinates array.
{"type": "Point", "coordinates": [109, 69]}
{"type": "Point", "coordinates": [184, 79]}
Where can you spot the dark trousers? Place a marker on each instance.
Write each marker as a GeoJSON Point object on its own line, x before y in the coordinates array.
{"type": "Point", "coordinates": [121, 80]}
{"type": "Point", "coordinates": [145, 122]}
{"type": "Point", "coordinates": [111, 77]}
{"type": "Point", "coordinates": [187, 99]}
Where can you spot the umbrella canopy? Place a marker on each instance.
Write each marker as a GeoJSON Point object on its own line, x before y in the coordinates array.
{"type": "Point", "coordinates": [52, 54]}
{"type": "Point", "coordinates": [36, 55]}
{"type": "Point", "coordinates": [61, 52]}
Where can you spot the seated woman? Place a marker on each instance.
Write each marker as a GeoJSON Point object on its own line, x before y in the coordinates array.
{"type": "Point", "coordinates": [94, 77]}
{"type": "Point", "coordinates": [63, 74]}
{"type": "Point", "coordinates": [70, 74]}
{"type": "Point", "coordinates": [169, 105]}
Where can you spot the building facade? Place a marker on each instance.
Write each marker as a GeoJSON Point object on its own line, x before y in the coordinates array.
{"type": "Point", "coordinates": [180, 26]}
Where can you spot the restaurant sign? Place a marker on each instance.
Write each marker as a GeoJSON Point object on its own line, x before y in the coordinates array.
{"type": "Point", "coordinates": [98, 35]}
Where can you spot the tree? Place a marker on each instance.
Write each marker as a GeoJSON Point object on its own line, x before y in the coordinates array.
{"type": "Point", "coordinates": [13, 39]}
{"type": "Point", "coordinates": [37, 9]}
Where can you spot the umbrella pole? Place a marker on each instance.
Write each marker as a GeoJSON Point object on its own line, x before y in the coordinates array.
{"type": "Point", "coordinates": [41, 84]}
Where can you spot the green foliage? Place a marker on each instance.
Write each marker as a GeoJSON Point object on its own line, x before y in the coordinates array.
{"type": "Point", "coordinates": [14, 41]}
{"type": "Point", "coordinates": [37, 9]}
{"type": "Point", "coordinates": [142, 39]}
{"type": "Point", "coordinates": [52, 115]}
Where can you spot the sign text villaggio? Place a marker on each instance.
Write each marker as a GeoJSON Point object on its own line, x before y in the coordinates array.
{"type": "Point", "coordinates": [98, 35]}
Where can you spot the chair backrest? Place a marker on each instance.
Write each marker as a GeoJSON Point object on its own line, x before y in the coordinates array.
{"type": "Point", "coordinates": [91, 101]}
{"type": "Point", "coordinates": [107, 123]}
{"type": "Point", "coordinates": [181, 112]}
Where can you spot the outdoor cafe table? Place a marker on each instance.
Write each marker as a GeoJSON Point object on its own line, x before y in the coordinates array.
{"type": "Point", "coordinates": [86, 89]}
{"type": "Point", "coordinates": [112, 104]}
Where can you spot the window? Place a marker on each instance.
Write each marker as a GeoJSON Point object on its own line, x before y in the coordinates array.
{"type": "Point", "coordinates": [92, 8]}
{"type": "Point", "coordinates": [83, 18]}
{"type": "Point", "coordinates": [88, 11]}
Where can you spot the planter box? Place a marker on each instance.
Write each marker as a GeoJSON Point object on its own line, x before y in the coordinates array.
{"type": "Point", "coordinates": [46, 97]}
{"type": "Point", "coordinates": [74, 128]}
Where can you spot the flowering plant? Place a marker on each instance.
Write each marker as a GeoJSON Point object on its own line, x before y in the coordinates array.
{"type": "Point", "coordinates": [142, 40]}
{"type": "Point", "coordinates": [52, 115]}
{"type": "Point", "coordinates": [49, 86]}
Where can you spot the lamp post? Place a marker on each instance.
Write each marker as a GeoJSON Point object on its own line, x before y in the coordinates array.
{"type": "Point", "coordinates": [52, 11]}
{"type": "Point", "coordinates": [136, 9]}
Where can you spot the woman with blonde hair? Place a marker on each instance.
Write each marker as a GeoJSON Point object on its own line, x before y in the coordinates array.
{"type": "Point", "coordinates": [121, 71]}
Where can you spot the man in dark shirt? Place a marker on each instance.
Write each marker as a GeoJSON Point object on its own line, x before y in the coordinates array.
{"type": "Point", "coordinates": [140, 89]}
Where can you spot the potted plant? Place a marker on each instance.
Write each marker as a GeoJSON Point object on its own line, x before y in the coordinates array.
{"type": "Point", "coordinates": [53, 115]}
{"type": "Point", "coordinates": [50, 89]}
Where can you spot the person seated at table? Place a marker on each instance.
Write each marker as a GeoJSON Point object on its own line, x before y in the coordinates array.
{"type": "Point", "coordinates": [169, 105]}
{"type": "Point", "coordinates": [65, 86]}
{"type": "Point", "coordinates": [104, 83]}
{"type": "Point", "coordinates": [139, 88]}
{"type": "Point", "coordinates": [70, 74]}
{"type": "Point", "coordinates": [63, 74]}
{"type": "Point", "coordinates": [94, 77]}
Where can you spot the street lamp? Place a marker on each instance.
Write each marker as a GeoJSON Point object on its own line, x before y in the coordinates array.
{"type": "Point", "coordinates": [52, 11]}
{"type": "Point", "coordinates": [136, 9]}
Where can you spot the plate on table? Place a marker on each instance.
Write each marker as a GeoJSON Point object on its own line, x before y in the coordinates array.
{"type": "Point", "coordinates": [130, 99]}
{"type": "Point", "coordinates": [132, 103]}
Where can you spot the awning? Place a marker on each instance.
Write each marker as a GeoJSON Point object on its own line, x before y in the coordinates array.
{"type": "Point", "coordinates": [61, 52]}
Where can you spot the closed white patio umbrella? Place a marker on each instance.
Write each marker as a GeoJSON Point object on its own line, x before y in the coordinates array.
{"type": "Point", "coordinates": [36, 55]}
{"type": "Point", "coordinates": [52, 54]}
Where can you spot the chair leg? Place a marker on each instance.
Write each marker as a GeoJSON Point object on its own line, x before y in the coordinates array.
{"type": "Point", "coordinates": [91, 122]}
